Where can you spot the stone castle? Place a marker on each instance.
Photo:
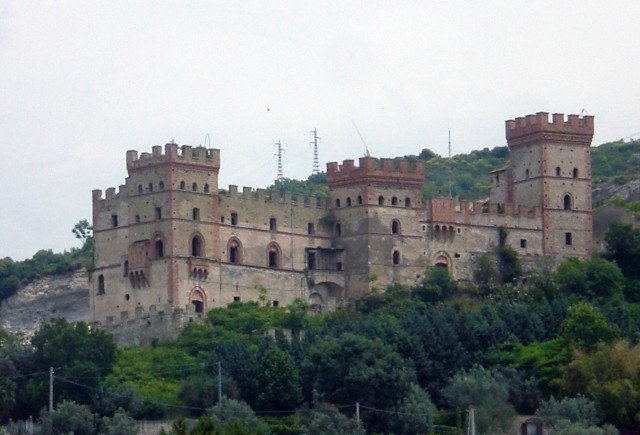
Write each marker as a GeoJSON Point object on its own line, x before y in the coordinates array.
{"type": "Point", "coordinates": [171, 238]}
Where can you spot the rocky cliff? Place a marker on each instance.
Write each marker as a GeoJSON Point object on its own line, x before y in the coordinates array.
{"type": "Point", "coordinates": [64, 296]}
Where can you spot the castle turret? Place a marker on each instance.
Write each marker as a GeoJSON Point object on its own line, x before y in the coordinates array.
{"type": "Point", "coordinates": [551, 168]}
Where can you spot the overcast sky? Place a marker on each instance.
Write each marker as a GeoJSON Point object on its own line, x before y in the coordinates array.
{"type": "Point", "coordinates": [84, 81]}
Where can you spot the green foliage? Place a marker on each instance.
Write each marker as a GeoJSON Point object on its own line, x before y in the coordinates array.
{"type": "Point", "coordinates": [436, 285]}
{"type": "Point", "coordinates": [415, 414]}
{"type": "Point", "coordinates": [586, 327]}
{"type": "Point", "coordinates": [615, 160]}
{"type": "Point", "coordinates": [608, 376]}
{"type": "Point", "coordinates": [486, 277]}
{"type": "Point", "coordinates": [483, 390]}
{"type": "Point", "coordinates": [120, 424]}
{"type": "Point", "coordinates": [315, 184]}
{"type": "Point", "coordinates": [327, 420]}
{"type": "Point", "coordinates": [277, 380]}
{"type": "Point", "coordinates": [238, 417]}
{"type": "Point", "coordinates": [623, 247]}
{"type": "Point", "coordinates": [67, 417]}
{"type": "Point", "coordinates": [573, 409]}
{"type": "Point", "coordinates": [590, 279]}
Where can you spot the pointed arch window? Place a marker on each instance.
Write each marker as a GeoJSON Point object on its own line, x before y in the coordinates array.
{"type": "Point", "coordinates": [196, 246]}
{"type": "Point", "coordinates": [394, 201]}
{"type": "Point", "coordinates": [194, 187]}
{"type": "Point", "coordinates": [101, 284]}
{"type": "Point", "coordinates": [273, 255]}
{"type": "Point", "coordinates": [159, 248]}
{"type": "Point", "coordinates": [234, 251]}
{"type": "Point", "coordinates": [381, 200]}
{"type": "Point", "coordinates": [183, 185]}
{"type": "Point", "coordinates": [395, 227]}
{"type": "Point", "coordinates": [359, 200]}
{"type": "Point", "coordinates": [575, 172]}
{"type": "Point", "coordinates": [558, 171]}
{"type": "Point", "coordinates": [206, 188]}
{"type": "Point", "coordinates": [407, 202]}
{"type": "Point", "coordinates": [567, 202]}
{"type": "Point", "coordinates": [396, 257]}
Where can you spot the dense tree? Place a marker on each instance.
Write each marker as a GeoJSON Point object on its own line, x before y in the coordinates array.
{"type": "Point", "coordinates": [278, 384]}
{"type": "Point", "coordinates": [592, 278]}
{"type": "Point", "coordinates": [67, 417]}
{"type": "Point", "coordinates": [482, 390]}
{"type": "Point", "coordinates": [573, 409]}
{"type": "Point", "coordinates": [436, 285]}
{"type": "Point", "coordinates": [585, 327]}
{"type": "Point", "coordinates": [326, 419]}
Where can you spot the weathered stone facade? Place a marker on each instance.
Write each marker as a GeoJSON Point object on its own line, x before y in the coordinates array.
{"type": "Point", "coordinates": [169, 237]}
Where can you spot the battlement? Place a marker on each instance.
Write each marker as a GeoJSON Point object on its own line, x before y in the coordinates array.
{"type": "Point", "coordinates": [372, 170]}
{"type": "Point", "coordinates": [539, 123]}
{"type": "Point", "coordinates": [209, 157]}
{"type": "Point", "coordinates": [109, 196]}
{"type": "Point", "coordinates": [271, 196]}
{"type": "Point", "coordinates": [446, 210]}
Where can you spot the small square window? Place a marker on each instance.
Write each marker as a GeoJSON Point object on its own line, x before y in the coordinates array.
{"type": "Point", "coordinates": [276, 303]}
{"type": "Point", "coordinates": [523, 243]}
{"type": "Point", "coordinates": [236, 299]}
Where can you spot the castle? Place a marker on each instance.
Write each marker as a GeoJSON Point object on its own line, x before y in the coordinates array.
{"type": "Point", "coordinates": [171, 238]}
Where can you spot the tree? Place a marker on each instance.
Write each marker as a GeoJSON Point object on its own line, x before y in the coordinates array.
{"type": "Point", "coordinates": [592, 278]}
{"type": "Point", "coordinates": [120, 424]}
{"type": "Point", "coordinates": [236, 414]}
{"type": "Point", "coordinates": [485, 275]}
{"type": "Point", "coordinates": [415, 413]}
{"type": "Point", "coordinates": [327, 420]}
{"type": "Point", "coordinates": [481, 389]}
{"type": "Point", "coordinates": [278, 385]}
{"type": "Point", "coordinates": [436, 285]}
{"type": "Point", "coordinates": [622, 243]}
{"type": "Point", "coordinates": [585, 327]}
{"type": "Point", "coordinates": [67, 417]}
{"type": "Point", "coordinates": [82, 230]}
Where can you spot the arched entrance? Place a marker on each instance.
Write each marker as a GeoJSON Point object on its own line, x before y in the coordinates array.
{"type": "Point", "coordinates": [198, 300]}
{"type": "Point", "coordinates": [442, 259]}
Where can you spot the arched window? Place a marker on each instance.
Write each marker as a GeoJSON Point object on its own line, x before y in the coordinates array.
{"type": "Point", "coordinates": [159, 249]}
{"type": "Point", "coordinates": [161, 185]}
{"type": "Point", "coordinates": [337, 202]}
{"type": "Point", "coordinates": [381, 200]}
{"type": "Point", "coordinates": [526, 173]}
{"type": "Point", "coordinates": [394, 201]}
{"type": "Point", "coordinates": [348, 202]}
{"type": "Point", "coordinates": [194, 187]}
{"type": "Point", "coordinates": [196, 246]}
{"type": "Point", "coordinates": [395, 227]}
{"type": "Point", "coordinates": [359, 200]}
{"type": "Point", "coordinates": [101, 284]}
{"type": "Point", "coordinates": [206, 188]}
{"type": "Point", "coordinates": [150, 187]}
{"type": "Point", "coordinates": [407, 202]}
{"type": "Point", "coordinates": [234, 251]}
{"type": "Point", "coordinates": [183, 185]}
{"type": "Point", "coordinates": [273, 255]}
{"type": "Point", "coordinates": [396, 257]}
{"type": "Point", "coordinates": [140, 188]}
{"type": "Point", "coordinates": [575, 172]}
{"type": "Point", "coordinates": [567, 202]}
{"type": "Point", "coordinates": [557, 171]}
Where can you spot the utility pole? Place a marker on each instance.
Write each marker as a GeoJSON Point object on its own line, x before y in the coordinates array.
{"type": "Point", "coordinates": [471, 427]}
{"type": "Point", "coordinates": [50, 390]}
{"type": "Point", "coordinates": [358, 413]}
{"type": "Point", "coordinates": [316, 161]}
{"type": "Point", "coordinates": [219, 382]}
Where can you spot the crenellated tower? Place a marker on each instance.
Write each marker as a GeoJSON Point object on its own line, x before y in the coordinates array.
{"type": "Point", "coordinates": [375, 211]}
{"type": "Point", "coordinates": [551, 169]}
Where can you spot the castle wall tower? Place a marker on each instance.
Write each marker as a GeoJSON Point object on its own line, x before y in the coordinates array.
{"type": "Point", "coordinates": [551, 168]}
{"type": "Point", "coordinates": [158, 238]}
{"type": "Point", "coordinates": [375, 211]}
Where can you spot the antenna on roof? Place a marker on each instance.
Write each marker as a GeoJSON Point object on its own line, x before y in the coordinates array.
{"type": "Point", "coordinates": [365, 144]}
{"type": "Point", "coordinates": [279, 155]}
{"type": "Point", "coordinates": [316, 162]}
{"type": "Point", "coordinates": [450, 169]}
{"type": "Point", "coordinates": [207, 141]}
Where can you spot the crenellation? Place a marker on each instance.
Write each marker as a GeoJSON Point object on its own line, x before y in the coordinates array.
{"type": "Point", "coordinates": [240, 240]}
{"type": "Point", "coordinates": [539, 123]}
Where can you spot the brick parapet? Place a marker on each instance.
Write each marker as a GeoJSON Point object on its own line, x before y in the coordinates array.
{"type": "Point", "coordinates": [259, 196]}
{"type": "Point", "coordinates": [402, 173]}
{"type": "Point", "coordinates": [445, 210]}
{"type": "Point", "coordinates": [173, 153]}
{"type": "Point", "coordinates": [575, 129]}
{"type": "Point", "coordinates": [110, 199]}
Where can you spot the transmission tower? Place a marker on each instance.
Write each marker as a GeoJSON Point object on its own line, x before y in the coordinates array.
{"type": "Point", "coordinates": [316, 162]}
{"type": "Point", "coordinates": [279, 156]}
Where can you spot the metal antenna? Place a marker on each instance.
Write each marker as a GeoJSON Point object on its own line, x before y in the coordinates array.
{"type": "Point", "coordinates": [207, 141]}
{"type": "Point", "coordinates": [450, 169]}
{"type": "Point", "coordinates": [365, 144]}
{"type": "Point", "coordinates": [279, 155]}
{"type": "Point", "coordinates": [316, 162]}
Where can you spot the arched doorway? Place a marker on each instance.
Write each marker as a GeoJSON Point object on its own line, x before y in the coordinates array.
{"type": "Point", "coordinates": [198, 300]}
{"type": "Point", "coordinates": [442, 259]}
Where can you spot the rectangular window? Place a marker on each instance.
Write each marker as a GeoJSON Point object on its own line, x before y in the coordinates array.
{"type": "Point", "coordinates": [272, 224]}
{"type": "Point", "coordinates": [196, 214]}
{"type": "Point", "coordinates": [236, 299]}
{"type": "Point", "coordinates": [311, 230]}
{"type": "Point", "coordinates": [158, 213]}
{"type": "Point", "coordinates": [311, 260]}
{"type": "Point", "coordinates": [137, 218]}
{"type": "Point", "coordinates": [234, 218]}
{"type": "Point", "coordinates": [568, 239]}
{"type": "Point", "coordinates": [276, 303]}
{"type": "Point", "coordinates": [114, 220]}
{"type": "Point", "coordinates": [523, 243]}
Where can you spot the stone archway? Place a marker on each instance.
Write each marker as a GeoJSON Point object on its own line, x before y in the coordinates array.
{"type": "Point", "coordinates": [198, 300]}
{"type": "Point", "coordinates": [325, 295]}
{"type": "Point", "coordinates": [442, 259]}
